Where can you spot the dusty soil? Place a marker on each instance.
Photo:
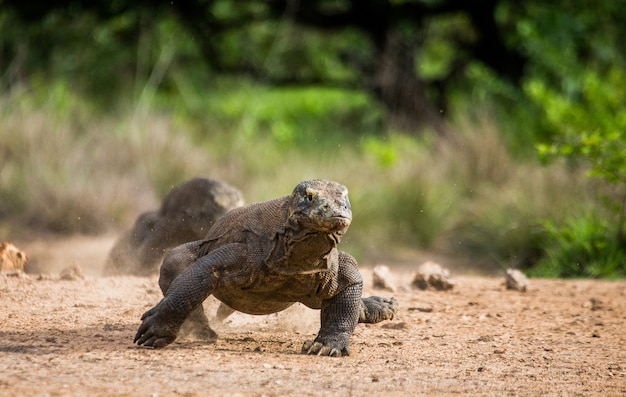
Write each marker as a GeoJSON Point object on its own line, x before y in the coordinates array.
{"type": "Point", "coordinates": [63, 337]}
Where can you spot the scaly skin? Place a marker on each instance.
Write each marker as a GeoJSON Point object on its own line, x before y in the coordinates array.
{"type": "Point", "coordinates": [261, 259]}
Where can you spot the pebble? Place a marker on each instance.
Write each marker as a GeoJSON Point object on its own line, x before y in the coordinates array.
{"type": "Point", "coordinates": [432, 275]}
{"type": "Point", "coordinates": [382, 278]}
{"type": "Point", "coordinates": [516, 280]}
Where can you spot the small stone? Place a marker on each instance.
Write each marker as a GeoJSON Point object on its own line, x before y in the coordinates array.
{"type": "Point", "coordinates": [392, 325]}
{"type": "Point", "coordinates": [516, 280]}
{"type": "Point", "coordinates": [17, 274]}
{"type": "Point", "coordinates": [485, 338]}
{"type": "Point", "coordinates": [72, 273]}
{"type": "Point", "coordinates": [423, 308]}
{"type": "Point", "coordinates": [382, 278]}
{"type": "Point", "coordinates": [596, 304]}
{"type": "Point", "coordinates": [432, 275]}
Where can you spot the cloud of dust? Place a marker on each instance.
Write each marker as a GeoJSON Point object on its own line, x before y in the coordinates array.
{"type": "Point", "coordinates": [50, 256]}
{"type": "Point", "coordinates": [297, 319]}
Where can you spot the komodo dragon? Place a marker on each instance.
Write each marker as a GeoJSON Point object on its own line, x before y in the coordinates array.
{"type": "Point", "coordinates": [261, 259]}
{"type": "Point", "coordinates": [186, 214]}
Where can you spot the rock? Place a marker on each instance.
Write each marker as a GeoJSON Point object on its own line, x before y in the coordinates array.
{"type": "Point", "coordinates": [432, 275]}
{"type": "Point", "coordinates": [593, 304]}
{"type": "Point", "coordinates": [516, 280]}
{"type": "Point", "coordinates": [16, 274]}
{"type": "Point", "coordinates": [395, 325]}
{"type": "Point", "coordinates": [72, 273]}
{"type": "Point", "coordinates": [425, 308]}
{"type": "Point", "coordinates": [12, 259]}
{"type": "Point", "coordinates": [485, 338]}
{"type": "Point", "coordinates": [382, 278]}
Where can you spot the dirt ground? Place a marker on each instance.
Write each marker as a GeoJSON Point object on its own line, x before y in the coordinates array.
{"type": "Point", "coordinates": [74, 337]}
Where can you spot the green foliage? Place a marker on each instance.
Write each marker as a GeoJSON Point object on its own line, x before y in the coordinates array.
{"type": "Point", "coordinates": [295, 116]}
{"type": "Point", "coordinates": [577, 79]}
{"type": "Point", "coordinates": [583, 247]}
{"type": "Point", "coordinates": [440, 51]}
{"type": "Point", "coordinates": [383, 150]}
{"type": "Point", "coordinates": [576, 84]}
{"type": "Point", "coordinates": [593, 127]}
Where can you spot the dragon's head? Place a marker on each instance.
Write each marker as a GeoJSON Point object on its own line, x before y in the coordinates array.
{"type": "Point", "coordinates": [322, 206]}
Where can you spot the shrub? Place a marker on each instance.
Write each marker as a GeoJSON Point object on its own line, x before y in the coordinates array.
{"type": "Point", "coordinates": [592, 130]}
{"type": "Point", "coordinates": [583, 247]}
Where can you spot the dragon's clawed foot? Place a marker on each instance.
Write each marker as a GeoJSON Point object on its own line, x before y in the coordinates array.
{"type": "Point", "coordinates": [159, 327]}
{"type": "Point", "coordinates": [332, 345]}
{"type": "Point", "coordinates": [376, 309]}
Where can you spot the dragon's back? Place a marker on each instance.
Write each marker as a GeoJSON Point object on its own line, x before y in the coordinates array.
{"type": "Point", "coordinates": [262, 219]}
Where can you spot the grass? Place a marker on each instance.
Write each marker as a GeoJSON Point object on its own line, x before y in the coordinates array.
{"type": "Point", "coordinates": [67, 167]}
{"type": "Point", "coordinates": [582, 247]}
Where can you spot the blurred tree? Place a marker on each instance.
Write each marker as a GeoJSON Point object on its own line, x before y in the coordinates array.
{"type": "Point", "coordinates": [410, 54]}
{"type": "Point", "coordinates": [379, 40]}
{"type": "Point", "coordinates": [394, 33]}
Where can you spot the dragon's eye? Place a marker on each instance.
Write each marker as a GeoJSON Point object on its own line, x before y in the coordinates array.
{"type": "Point", "coordinates": [309, 197]}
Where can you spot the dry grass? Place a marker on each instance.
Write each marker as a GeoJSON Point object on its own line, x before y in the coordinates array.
{"type": "Point", "coordinates": [77, 171]}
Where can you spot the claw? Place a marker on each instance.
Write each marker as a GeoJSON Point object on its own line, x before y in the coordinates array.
{"type": "Point", "coordinates": [320, 349]}
{"type": "Point", "coordinates": [148, 313]}
{"type": "Point", "coordinates": [159, 327]}
{"type": "Point", "coordinates": [324, 351]}
{"type": "Point", "coordinates": [139, 335]}
{"type": "Point", "coordinates": [312, 348]}
{"type": "Point", "coordinates": [376, 309]}
{"type": "Point", "coordinates": [307, 346]}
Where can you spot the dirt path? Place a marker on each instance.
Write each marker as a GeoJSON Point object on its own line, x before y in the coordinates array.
{"type": "Point", "coordinates": [560, 338]}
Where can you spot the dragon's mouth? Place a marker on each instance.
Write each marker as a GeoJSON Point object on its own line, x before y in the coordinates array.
{"type": "Point", "coordinates": [334, 224]}
{"type": "Point", "coordinates": [340, 219]}
{"type": "Point", "coordinates": [338, 224]}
